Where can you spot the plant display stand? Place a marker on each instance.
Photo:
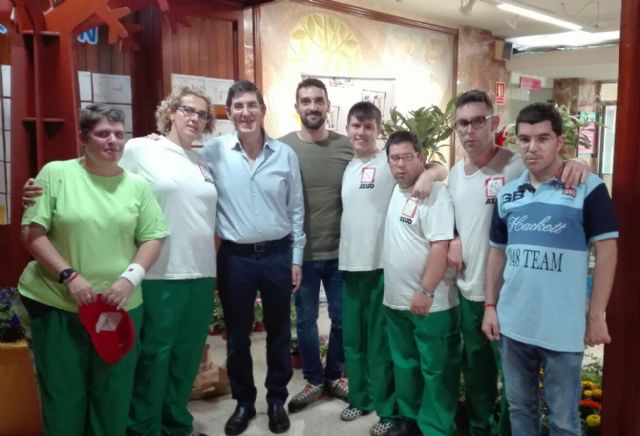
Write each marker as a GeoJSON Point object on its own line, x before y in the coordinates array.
{"type": "Point", "coordinates": [19, 403]}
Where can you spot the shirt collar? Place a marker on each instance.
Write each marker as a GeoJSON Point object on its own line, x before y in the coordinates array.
{"type": "Point", "coordinates": [523, 181]}
{"type": "Point", "coordinates": [234, 144]}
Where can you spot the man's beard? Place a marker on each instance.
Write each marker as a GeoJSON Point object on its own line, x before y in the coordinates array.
{"type": "Point", "coordinates": [313, 125]}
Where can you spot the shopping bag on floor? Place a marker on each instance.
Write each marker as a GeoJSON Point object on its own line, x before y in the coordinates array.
{"type": "Point", "coordinates": [212, 380]}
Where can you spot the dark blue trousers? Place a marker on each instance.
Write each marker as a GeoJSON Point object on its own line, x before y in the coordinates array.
{"type": "Point", "coordinates": [240, 276]}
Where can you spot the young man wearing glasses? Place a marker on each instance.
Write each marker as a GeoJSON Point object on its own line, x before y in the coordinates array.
{"type": "Point", "coordinates": [541, 232]}
{"type": "Point", "coordinates": [420, 304]}
{"type": "Point", "coordinates": [474, 184]}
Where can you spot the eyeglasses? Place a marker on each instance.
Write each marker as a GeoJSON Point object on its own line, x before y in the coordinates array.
{"type": "Point", "coordinates": [476, 123]}
{"type": "Point", "coordinates": [190, 111]}
{"type": "Point", "coordinates": [252, 106]}
{"type": "Point", "coordinates": [396, 158]}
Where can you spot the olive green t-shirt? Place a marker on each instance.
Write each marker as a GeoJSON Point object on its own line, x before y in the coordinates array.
{"type": "Point", "coordinates": [322, 165]}
{"type": "Point", "coordinates": [94, 223]}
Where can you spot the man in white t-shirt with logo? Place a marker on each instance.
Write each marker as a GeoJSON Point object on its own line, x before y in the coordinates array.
{"type": "Point", "coordinates": [420, 306]}
{"type": "Point", "coordinates": [367, 186]}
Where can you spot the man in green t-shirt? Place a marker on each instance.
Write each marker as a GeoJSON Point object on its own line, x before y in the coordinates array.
{"type": "Point", "coordinates": [323, 156]}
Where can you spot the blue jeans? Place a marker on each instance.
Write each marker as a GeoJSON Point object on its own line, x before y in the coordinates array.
{"type": "Point", "coordinates": [307, 304]}
{"type": "Point", "coordinates": [240, 276]}
{"type": "Point", "coordinates": [521, 365]}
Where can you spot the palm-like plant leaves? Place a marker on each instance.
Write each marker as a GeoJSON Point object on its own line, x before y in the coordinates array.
{"type": "Point", "coordinates": [430, 124]}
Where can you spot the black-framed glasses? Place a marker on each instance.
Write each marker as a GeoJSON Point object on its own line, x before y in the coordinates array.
{"type": "Point", "coordinates": [476, 123]}
{"type": "Point", "coordinates": [190, 111]}
{"type": "Point", "coordinates": [396, 158]}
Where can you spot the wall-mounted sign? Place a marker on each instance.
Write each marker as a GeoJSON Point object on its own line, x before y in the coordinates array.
{"type": "Point", "coordinates": [500, 91]}
{"type": "Point", "coordinates": [530, 83]}
{"type": "Point", "coordinates": [89, 37]}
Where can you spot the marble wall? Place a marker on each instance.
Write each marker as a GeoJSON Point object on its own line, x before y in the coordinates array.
{"type": "Point", "coordinates": [299, 39]}
{"type": "Point", "coordinates": [579, 95]}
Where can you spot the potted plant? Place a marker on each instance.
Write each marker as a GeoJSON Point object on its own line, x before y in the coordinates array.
{"type": "Point", "coordinates": [294, 349]}
{"type": "Point", "coordinates": [19, 403]}
{"type": "Point", "coordinates": [430, 124]}
{"type": "Point", "coordinates": [217, 325]}
{"type": "Point", "coordinates": [258, 316]}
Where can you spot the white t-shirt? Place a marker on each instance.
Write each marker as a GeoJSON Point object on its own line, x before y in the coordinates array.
{"type": "Point", "coordinates": [367, 185]}
{"type": "Point", "coordinates": [184, 187]}
{"type": "Point", "coordinates": [474, 197]}
{"type": "Point", "coordinates": [410, 226]}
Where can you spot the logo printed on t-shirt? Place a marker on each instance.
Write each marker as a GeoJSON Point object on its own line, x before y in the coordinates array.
{"type": "Point", "coordinates": [409, 210]}
{"type": "Point", "coordinates": [205, 172]}
{"type": "Point", "coordinates": [492, 186]}
{"type": "Point", "coordinates": [368, 178]}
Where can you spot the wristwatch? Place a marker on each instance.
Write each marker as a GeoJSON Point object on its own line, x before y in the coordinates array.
{"type": "Point", "coordinates": [65, 274]}
{"type": "Point", "coordinates": [428, 292]}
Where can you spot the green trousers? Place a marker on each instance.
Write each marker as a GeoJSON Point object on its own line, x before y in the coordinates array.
{"type": "Point", "coordinates": [480, 366]}
{"type": "Point", "coordinates": [426, 362]}
{"type": "Point", "coordinates": [81, 394]}
{"type": "Point", "coordinates": [177, 314]}
{"type": "Point", "coordinates": [366, 344]}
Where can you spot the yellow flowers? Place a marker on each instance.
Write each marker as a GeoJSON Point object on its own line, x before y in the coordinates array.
{"type": "Point", "coordinates": [590, 405]}
{"type": "Point", "coordinates": [593, 420]}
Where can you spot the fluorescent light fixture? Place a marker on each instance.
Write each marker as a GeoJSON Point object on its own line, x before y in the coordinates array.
{"type": "Point", "coordinates": [535, 15]}
{"type": "Point", "coordinates": [577, 38]}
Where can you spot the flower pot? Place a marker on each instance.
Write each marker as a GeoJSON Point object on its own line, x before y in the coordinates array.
{"type": "Point", "coordinates": [216, 331]}
{"type": "Point", "coordinates": [19, 403]}
{"type": "Point", "coordinates": [296, 361]}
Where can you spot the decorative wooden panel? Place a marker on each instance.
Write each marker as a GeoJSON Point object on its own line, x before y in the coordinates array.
{"type": "Point", "coordinates": [621, 406]}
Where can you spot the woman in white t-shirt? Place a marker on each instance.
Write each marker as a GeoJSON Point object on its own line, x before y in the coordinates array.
{"type": "Point", "coordinates": [178, 290]}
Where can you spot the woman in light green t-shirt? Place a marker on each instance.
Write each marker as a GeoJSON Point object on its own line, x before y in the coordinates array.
{"type": "Point", "coordinates": [93, 233]}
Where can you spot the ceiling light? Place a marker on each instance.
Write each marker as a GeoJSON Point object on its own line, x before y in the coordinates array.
{"type": "Point", "coordinates": [569, 39]}
{"type": "Point", "coordinates": [539, 16]}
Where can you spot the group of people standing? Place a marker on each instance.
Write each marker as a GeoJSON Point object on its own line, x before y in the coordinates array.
{"type": "Point", "coordinates": [376, 228]}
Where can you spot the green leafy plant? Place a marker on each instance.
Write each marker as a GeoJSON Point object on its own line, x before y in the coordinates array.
{"type": "Point", "coordinates": [294, 346]}
{"type": "Point", "coordinates": [217, 319]}
{"type": "Point", "coordinates": [258, 313]}
{"type": "Point", "coordinates": [11, 328]}
{"type": "Point", "coordinates": [430, 124]}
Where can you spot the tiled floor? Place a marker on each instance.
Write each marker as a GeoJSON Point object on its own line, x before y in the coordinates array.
{"type": "Point", "coordinates": [319, 419]}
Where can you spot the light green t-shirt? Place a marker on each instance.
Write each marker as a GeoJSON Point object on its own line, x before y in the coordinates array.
{"type": "Point", "coordinates": [94, 222]}
{"type": "Point", "coordinates": [322, 165]}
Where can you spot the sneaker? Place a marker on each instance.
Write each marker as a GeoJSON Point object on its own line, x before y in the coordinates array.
{"type": "Point", "coordinates": [338, 388]}
{"type": "Point", "coordinates": [308, 395]}
{"type": "Point", "coordinates": [380, 428]}
{"type": "Point", "coordinates": [352, 413]}
{"type": "Point", "coordinates": [404, 427]}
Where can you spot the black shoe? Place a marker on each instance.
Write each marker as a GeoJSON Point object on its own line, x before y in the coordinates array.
{"type": "Point", "coordinates": [239, 421]}
{"type": "Point", "coordinates": [278, 419]}
{"type": "Point", "coordinates": [404, 427]}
